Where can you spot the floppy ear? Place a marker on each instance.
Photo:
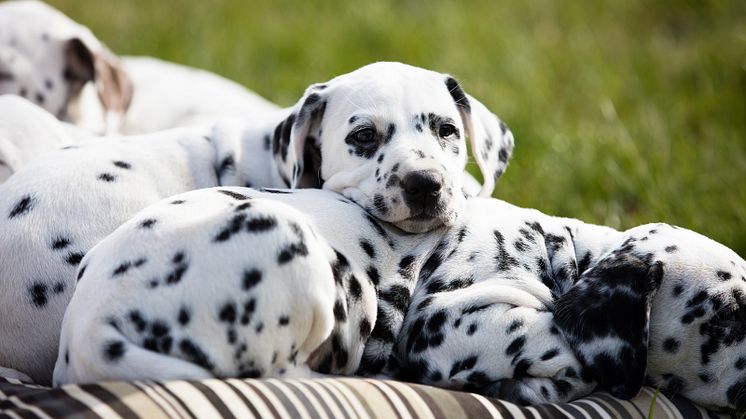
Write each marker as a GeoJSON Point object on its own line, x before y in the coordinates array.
{"type": "Point", "coordinates": [605, 318]}
{"type": "Point", "coordinates": [490, 139]}
{"type": "Point", "coordinates": [291, 144]}
{"type": "Point", "coordinates": [91, 61]}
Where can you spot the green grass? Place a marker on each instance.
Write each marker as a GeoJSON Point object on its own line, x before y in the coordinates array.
{"type": "Point", "coordinates": [624, 112]}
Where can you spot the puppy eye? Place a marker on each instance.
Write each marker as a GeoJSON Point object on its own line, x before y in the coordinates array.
{"type": "Point", "coordinates": [446, 130]}
{"type": "Point", "coordinates": [364, 136]}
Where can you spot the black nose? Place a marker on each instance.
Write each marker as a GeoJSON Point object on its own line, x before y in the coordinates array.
{"type": "Point", "coordinates": [422, 189]}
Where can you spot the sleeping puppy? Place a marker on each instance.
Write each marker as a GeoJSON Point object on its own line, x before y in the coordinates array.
{"type": "Point", "coordinates": [389, 136]}
{"type": "Point", "coordinates": [61, 66]}
{"type": "Point", "coordinates": [234, 282]}
{"type": "Point", "coordinates": [28, 131]}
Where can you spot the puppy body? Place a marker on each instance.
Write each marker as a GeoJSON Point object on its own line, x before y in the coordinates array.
{"type": "Point", "coordinates": [485, 305]}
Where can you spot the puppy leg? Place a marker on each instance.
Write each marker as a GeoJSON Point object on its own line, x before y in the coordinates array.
{"type": "Point", "coordinates": [492, 339]}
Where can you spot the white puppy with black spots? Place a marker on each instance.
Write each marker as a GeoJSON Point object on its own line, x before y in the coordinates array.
{"type": "Point", "coordinates": [389, 136]}
{"type": "Point", "coordinates": [234, 282]}
{"type": "Point", "coordinates": [60, 65]}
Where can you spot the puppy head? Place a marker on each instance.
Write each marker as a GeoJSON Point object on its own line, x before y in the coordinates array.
{"type": "Point", "coordinates": [392, 138]}
{"type": "Point", "coordinates": [47, 58]}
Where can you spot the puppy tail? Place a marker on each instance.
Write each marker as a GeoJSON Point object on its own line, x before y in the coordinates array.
{"type": "Point", "coordinates": [109, 355]}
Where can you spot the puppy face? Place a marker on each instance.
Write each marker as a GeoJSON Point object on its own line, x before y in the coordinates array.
{"type": "Point", "coordinates": [392, 138]}
{"type": "Point", "coordinates": [47, 58]}
{"type": "Point", "coordinates": [33, 67]}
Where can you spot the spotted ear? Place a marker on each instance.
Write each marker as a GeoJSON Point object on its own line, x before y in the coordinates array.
{"type": "Point", "coordinates": [490, 139]}
{"type": "Point", "coordinates": [291, 144]}
{"type": "Point", "coordinates": [605, 318]}
{"type": "Point", "coordinates": [89, 61]}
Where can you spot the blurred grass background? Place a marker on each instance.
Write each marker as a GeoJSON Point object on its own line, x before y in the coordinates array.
{"type": "Point", "coordinates": [624, 112]}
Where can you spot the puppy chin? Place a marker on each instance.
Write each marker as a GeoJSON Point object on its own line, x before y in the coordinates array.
{"type": "Point", "coordinates": [423, 225]}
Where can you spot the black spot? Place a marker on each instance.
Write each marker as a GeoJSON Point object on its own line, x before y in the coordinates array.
{"type": "Point", "coordinates": [107, 177]}
{"type": "Point", "coordinates": [373, 274]}
{"type": "Point", "coordinates": [290, 251]}
{"type": "Point", "coordinates": [356, 291]}
{"type": "Point", "coordinates": [472, 329]}
{"type": "Point", "coordinates": [671, 345]}
{"type": "Point", "coordinates": [397, 296]}
{"type": "Point", "coordinates": [195, 353]}
{"type": "Point", "coordinates": [462, 365]}
{"type": "Point", "coordinates": [405, 266]}
{"type": "Point", "coordinates": [514, 326]}
{"type": "Point", "coordinates": [81, 272]}
{"type": "Point", "coordinates": [184, 316]}
{"type": "Point", "coordinates": [546, 356]}
{"type": "Point", "coordinates": [740, 363]}
{"type": "Point", "coordinates": [251, 279]}
{"type": "Point", "coordinates": [380, 204]}
{"type": "Point", "coordinates": [227, 164]}
{"type": "Point", "coordinates": [724, 276]}
{"type": "Point", "coordinates": [60, 243]}
{"type": "Point", "coordinates": [458, 94]}
{"type": "Point", "coordinates": [227, 313]}
{"type": "Point", "coordinates": [339, 311]}
{"type": "Point", "coordinates": [671, 249]}
{"type": "Point", "coordinates": [38, 293]}
{"type": "Point", "coordinates": [231, 228]}
{"type": "Point", "coordinates": [148, 223]}
{"type": "Point", "coordinates": [177, 202]}
{"type": "Point", "coordinates": [235, 195]}
{"type": "Point", "coordinates": [261, 224]}
{"type": "Point", "coordinates": [515, 346]}
{"type": "Point", "coordinates": [365, 329]}
{"type": "Point", "coordinates": [368, 248]}
{"type": "Point", "coordinates": [137, 319]}
{"type": "Point", "coordinates": [59, 287]}
{"type": "Point", "coordinates": [113, 350]}
{"type": "Point", "coordinates": [283, 320]}
{"type": "Point", "coordinates": [74, 258]}
{"type": "Point", "coordinates": [23, 206]}
{"type": "Point", "coordinates": [122, 165]}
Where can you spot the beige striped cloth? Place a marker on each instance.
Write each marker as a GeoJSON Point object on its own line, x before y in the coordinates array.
{"type": "Point", "coordinates": [316, 398]}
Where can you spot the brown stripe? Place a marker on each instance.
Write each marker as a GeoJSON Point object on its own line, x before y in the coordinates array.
{"type": "Point", "coordinates": [431, 404]}
{"type": "Point", "coordinates": [622, 407]}
{"type": "Point", "coordinates": [214, 399]}
{"type": "Point", "coordinates": [264, 398]}
{"type": "Point", "coordinates": [110, 399]}
{"type": "Point", "coordinates": [332, 392]}
{"type": "Point", "coordinates": [569, 409]}
{"type": "Point", "coordinates": [243, 398]}
{"type": "Point", "coordinates": [288, 387]}
{"type": "Point", "coordinates": [500, 406]}
{"type": "Point", "coordinates": [313, 404]}
{"type": "Point", "coordinates": [56, 403]}
{"type": "Point", "coordinates": [8, 406]}
{"type": "Point", "coordinates": [291, 408]}
{"type": "Point", "coordinates": [550, 411]}
{"type": "Point", "coordinates": [164, 402]}
{"type": "Point", "coordinates": [135, 399]}
{"type": "Point", "coordinates": [385, 397]}
{"type": "Point", "coordinates": [403, 398]}
{"type": "Point", "coordinates": [352, 384]}
{"type": "Point", "coordinates": [310, 386]}
{"type": "Point", "coordinates": [587, 407]}
{"type": "Point", "coordinates": [175, 397]}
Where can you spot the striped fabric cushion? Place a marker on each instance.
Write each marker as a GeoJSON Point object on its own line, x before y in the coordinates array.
{"type": "Point", "coordinates": [317, 398]}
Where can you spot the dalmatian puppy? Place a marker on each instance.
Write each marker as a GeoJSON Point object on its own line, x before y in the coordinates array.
{"type": "Point", "coordinates": [235, 282]}
{"type": "Point", "coordinates": [24, 123]}
{"type": "Point", "coordinates": [389, 136]}
{"type": "Point", "coordinates": [499, 303]}
{"type": "Point", "coordinates": [60, 65]}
